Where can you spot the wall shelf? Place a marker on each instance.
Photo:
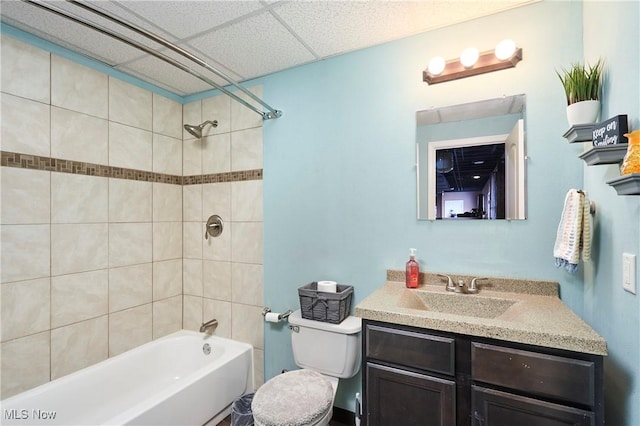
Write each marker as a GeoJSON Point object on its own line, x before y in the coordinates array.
{"type": "Point", "coordinates": [627, 184]}
{"type": "Point", "coordinates": [579, 133]}
{"type": "Point", "coordinates": [608, 154]}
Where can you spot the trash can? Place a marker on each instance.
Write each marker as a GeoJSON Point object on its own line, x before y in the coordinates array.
{"type": "Point", "coordinates": [241, 414]}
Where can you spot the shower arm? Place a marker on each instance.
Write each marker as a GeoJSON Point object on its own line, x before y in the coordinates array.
{"type": "Point", "coordinates": [272, 113]}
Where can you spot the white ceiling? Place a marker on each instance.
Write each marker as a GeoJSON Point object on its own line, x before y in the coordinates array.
{"type": "Point", "coordinates": [243, 39]}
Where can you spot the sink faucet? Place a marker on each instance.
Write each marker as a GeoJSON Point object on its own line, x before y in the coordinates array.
{"type": "Point", "coordinates": [450, 286]}
{"type": "Point", "coordinates": [209, 327]}
{"type": "Point", "coordinates": [473, 288]}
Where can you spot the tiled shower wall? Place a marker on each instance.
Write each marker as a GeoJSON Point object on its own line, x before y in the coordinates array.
{"type": "Point", "coordinates": [92, 219]}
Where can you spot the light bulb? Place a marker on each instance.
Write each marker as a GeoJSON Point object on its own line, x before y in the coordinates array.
{"type": "Point", "coordinates": [469, 56]}
{"type": "Point", "coordinates": [436, 65]}
{"type": "Point", "coordinates": [505, 49]}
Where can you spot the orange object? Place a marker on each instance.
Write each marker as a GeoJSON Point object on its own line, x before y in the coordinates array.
{"type": "Point", "coordinates": [631, 162]}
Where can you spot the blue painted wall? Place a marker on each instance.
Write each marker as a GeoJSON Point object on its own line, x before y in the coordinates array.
{"type": "Point", "coordinates": [339, 179]}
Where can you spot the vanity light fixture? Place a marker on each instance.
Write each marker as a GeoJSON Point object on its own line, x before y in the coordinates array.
{"type": "Point", "coordinates": [471, 62]}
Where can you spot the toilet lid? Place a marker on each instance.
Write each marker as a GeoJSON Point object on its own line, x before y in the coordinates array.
{"type": "Point", "coordinates": [295, 398]}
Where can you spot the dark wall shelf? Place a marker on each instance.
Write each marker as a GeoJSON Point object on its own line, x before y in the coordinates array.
{"type": "Point", "coordinates": [608, 154]}
{"type": "Point", "coordinates": [627, 184]}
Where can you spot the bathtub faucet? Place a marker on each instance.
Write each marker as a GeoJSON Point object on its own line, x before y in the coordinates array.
{"type": "Point", "coordinates": [209, 327]}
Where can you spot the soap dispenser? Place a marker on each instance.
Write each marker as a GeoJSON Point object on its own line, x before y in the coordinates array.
{"type": "Point", "coordinates": [412, 272]}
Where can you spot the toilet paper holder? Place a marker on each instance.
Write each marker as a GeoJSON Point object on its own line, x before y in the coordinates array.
{"type": "Point", "coordinates": [282, 316]}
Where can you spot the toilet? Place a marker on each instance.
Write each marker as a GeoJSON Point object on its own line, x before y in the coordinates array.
{"type": "Point", "coordinates": [326, 353]}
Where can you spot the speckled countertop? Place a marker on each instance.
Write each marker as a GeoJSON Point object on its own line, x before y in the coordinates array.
{"type": "Point", "coordinates": [534, 313]}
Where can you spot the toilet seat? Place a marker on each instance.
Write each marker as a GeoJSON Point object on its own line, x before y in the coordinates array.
{"type": "Point", "coordinates": [296, 398]}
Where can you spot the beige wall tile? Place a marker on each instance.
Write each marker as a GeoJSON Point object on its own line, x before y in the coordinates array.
{"type": "Point", "coordinates": [191, 114]}
{"type": "Point", "coordinates": [246, 201]}
{"type": "Point", "coordinates": [130, 328]}
{"type": "Point", "coordinates": [26, 252]}
{"type": "Point", "coordinates": [78, 88]}
{"type": "Point", "coordinates": [216, 154]}
{"type": "Point", "coordinates": [219, 248]}
{"type": "Point", "coordinates": [167, 316]}
{"type": "Point", "coordinates": [167, 279]}
{"type": "Point", "coordinates": [25, 196]}
{"type": "Point", "coordinates": [216, 199]}
{"type": "Point", "coordinates": [246, 149]}
{"type": "Point", "coordinates": [79, 297]}
{"type": "Point", "coordinates": [79, 345]}
{"type": "Point", "coordinates": [25, 70]}
{"type": "Point", "coordinates": [78, 248]}
{"type": "Point", "coordinates": [130, 147]}
{"type": "Point", "coordinates": [217, 280]}
{"type": "Point", "coordinates": [25, 126]}
{"type": "Point", "coordinates": [241, 116]}
{"type": "Point", "coordinates": [258, 367]}
{"type": "Point", "coordinates": [130, 243]}
{"type": "Point", "coordinates": [79, 137]}
{"type": "Point", "coordinates": [193, 236]}
{"type": "Point", "coordinates": [247, 242]}
{"type": "Point", "coordinates": [192, 157]}
{"type": "Point", "coordinates": [130, 105]}
{"type": "Point", "coordinates": [167, 117]}
{"type": "Point", "coordinates": [79, 198]}
{"type": "Point", "coordinates": [130, 200]}
{"type": "Point", "coordinates": [247, 284]}
{"type": "Point", "coordinates": [167, 155]}
{"type": "Point", "coordinates": [247, 325]}
{"type": "Point", "coordinates": [221, 311]}
{"type": "Point", "coordinates": [167, 202]}
{"type": "Point", "coordinates": [192, 277]}
{"type": "Point", "coordinates": [25, 363]}
{"type": "Point", "coordinates": [217, 108]}
{"type": "Point", "coordinates": [130, 286]}
{"type": "Point", "coordinates": [192, 313]}
{"type": "Point", "coordinates": [25, 308]}
{"type": "Point", "coordinates": [167, 240]}
{"type": "Point", "coordinates": [192, 203]}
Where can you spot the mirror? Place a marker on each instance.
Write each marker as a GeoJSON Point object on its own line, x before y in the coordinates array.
{"type": "Point", "coordinates": [471, 160]}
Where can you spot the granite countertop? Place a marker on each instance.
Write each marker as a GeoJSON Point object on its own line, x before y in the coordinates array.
{"type": "Point", "coordinates": [534, 313]}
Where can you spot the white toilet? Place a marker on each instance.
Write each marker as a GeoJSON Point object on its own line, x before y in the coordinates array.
{"type": "Point", "coordinates": [326, 353]}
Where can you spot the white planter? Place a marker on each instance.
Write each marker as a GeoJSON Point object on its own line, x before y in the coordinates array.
{"type": "Point", "coordinates": [585, 112]}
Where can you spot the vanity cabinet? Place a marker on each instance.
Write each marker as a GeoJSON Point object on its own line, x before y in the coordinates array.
{"type": "Point", "coordinates": [415, 376]}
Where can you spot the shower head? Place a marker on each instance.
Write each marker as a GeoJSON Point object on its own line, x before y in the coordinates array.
{"type": "Point", "coordinates": [197, 130]}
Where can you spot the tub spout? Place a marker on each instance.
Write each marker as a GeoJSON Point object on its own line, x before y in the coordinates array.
{"type": "Point", "coordinates": [209, 327]}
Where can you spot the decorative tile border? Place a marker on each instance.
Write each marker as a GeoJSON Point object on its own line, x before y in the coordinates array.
{"type": "Point", "coordinates": [36, 162]}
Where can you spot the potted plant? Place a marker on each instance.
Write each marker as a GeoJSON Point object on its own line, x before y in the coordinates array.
{"type": "Point", "coordinates": [583, 86]}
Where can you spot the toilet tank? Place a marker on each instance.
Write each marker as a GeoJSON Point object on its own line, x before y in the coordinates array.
{"type": "Point", "coordinates": [331, 349]}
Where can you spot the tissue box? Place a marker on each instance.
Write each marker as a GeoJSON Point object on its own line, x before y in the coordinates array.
{"type": "Point", "coordinates": [326, 307]}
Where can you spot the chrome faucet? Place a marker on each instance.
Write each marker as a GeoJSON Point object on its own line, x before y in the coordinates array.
{"type": "Point", "coordinates": [450, 286]}
{"type": "Point", "coordinates": [209, 327]}
{"type": "Point", "coordinates": [473, 288]}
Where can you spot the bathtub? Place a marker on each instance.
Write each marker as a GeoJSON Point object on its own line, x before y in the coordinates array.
{"type": "Point", "coordinates": [169, 381]}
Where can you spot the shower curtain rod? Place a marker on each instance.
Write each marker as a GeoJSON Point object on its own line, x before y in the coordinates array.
{"type": "Point", "coordinates": [271, 113]}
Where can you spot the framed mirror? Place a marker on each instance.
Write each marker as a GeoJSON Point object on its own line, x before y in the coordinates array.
{"type": "Point", "coordinates": [471, 161]}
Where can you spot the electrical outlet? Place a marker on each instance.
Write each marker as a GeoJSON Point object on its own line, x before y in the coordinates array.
{"type": "Point", "coordinates": [629, 272]}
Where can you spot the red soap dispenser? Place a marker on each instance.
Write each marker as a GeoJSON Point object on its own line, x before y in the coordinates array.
{"type": "Point", "coordinates": [413, 270]}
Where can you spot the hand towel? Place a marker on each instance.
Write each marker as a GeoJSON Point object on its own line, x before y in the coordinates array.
{"type": "Point", "coordinates": [574, 232]}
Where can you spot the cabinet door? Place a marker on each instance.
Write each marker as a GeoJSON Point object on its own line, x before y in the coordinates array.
{"type": "Point", "coordinates": [495, 408]}
{"type": "Point", "coordinates": [397, 397]}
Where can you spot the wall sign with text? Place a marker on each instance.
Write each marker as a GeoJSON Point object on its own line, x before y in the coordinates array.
{"type": "Point", "coordinates": [611, 131]}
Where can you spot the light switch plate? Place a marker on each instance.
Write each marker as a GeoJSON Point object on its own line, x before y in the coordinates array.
{"type": "Point", "coordinates": [629, 272]}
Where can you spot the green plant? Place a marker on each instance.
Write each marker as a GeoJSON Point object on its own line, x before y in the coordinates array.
{"type": "Point", "coordinates": [582, 82]}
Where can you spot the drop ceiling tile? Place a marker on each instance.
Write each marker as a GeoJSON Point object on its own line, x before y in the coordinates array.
{"type": "Point", "coordinates": [194, 16]}
{"type": "Point", "coordinates": [66, 33]}
{"type": "Point", "coordinates": [256, 46]}
{"type": "Point", "coordinates": [334, 27]}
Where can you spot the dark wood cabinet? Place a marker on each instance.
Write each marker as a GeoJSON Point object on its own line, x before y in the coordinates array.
{"type": "Point", "coordinates": [416, 376]}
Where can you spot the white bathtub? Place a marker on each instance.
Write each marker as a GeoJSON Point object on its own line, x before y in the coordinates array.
{"type": "Point", "coordinates": [169, 381]}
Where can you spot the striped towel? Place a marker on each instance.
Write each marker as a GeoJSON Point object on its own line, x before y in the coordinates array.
{"type": "Point", "coordinates": [574, 232]}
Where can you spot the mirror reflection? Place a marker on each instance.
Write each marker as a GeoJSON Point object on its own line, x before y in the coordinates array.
{"type": "Point", "coordinates": [471, 160]}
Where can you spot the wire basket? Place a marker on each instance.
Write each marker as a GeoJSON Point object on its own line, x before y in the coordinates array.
{"type": "Point", "coordinates": [326, 307]}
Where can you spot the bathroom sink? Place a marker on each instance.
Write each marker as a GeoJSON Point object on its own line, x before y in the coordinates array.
{"type": "Point", "coordinates": [454, 303]}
